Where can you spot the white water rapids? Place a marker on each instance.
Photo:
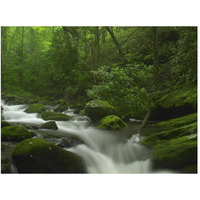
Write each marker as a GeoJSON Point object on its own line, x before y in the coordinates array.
{"type": "Point", "coordinates": [102, 151]}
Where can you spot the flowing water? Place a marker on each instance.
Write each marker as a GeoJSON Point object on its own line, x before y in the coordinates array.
{"type": "Point", "coordinates": [102, 151]}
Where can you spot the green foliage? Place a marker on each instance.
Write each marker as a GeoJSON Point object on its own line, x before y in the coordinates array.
{"type": "Point", "coordinates": [77, 64]}
{"type": "Point", "coordinates": [125, 88]}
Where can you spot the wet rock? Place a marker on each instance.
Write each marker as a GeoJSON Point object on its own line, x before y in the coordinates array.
{"type": "Point", "coordinates": [4, 124]}
{"type": "Point", "coordinates": [98, 109]}
{"type": "Point", "coordinates": [35, 108]}
{"type": "Point", "coordinates": [39, 156]}
{"type": "Point", "coordinates": [69, 142]}
{"type": "Point", "coordinates": [112, 122]}
{"type": "Point", "coordinates": [49, 125]}
{"type": "Point", "coordinates": [48, 115]}
{"type": "Point", "coordinates": [175, 104]}
{"type": "Point", "coordinates": [14, 133]}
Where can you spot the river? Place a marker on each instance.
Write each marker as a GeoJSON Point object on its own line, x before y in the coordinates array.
{"type": "Point", "coordinates": [102, 151]}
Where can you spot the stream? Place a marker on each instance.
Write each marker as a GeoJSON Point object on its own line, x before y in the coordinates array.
{"type": "Point", "coordinates": [102, 151]}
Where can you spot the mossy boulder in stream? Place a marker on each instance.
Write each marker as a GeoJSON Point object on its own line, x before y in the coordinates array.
{"type": "Point", "coordinates": [175, 146]}
{"type": "Point", "coordinates": [14, 133]}
{"type": "Point", "coordinates": [39, 156]}
{"type": "Point", "coordinates": [112, 122]}
{"type": "Point", "coordinates": [48, 115]}
{"type": "Point", "coordinates": [4, 124]}
{"type": "Point", "coordinates": [49, 125]}
{"type": "Point", "coordinates": [176, 153]}
{"type": "Point", "coordinates": [98, 109]}
{"type": "Point", "coordinates": [35, 108]}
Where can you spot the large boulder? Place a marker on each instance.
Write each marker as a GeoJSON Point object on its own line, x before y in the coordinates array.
{"type": "Point", "coordinates": [35, 108]}
{"type": "Point", "coordinates": [97, 109]}
{"type": "Point", "coordinates": [174, 144]}
{"type": "Point", "coordinates": [4, 124]}
{"type": "Point", "coordinates": [49, 125]}
{"type": "Point", "coordinates": [15, 133]}
{"type": "Point", "coordinates": [175, 104]}
{"type": "Point", "coordinates": [176, 153]}
{"type": "Point", "coordinates": [48, 115]}
{"type": "Point", "coordinates": [39, 156]}
{"type": "Point", "coordinates": [112, 122]}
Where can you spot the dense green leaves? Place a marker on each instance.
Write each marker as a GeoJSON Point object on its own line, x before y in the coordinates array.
{"type": "Point", "coordinates": [82, 63]}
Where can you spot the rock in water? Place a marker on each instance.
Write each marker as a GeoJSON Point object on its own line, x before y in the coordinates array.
{"type": "Point", "coordinates": [35, 108]}
{"type": "Point", "coordinates": [48, 115]}
{"type": "Point", "coordinates": [39, 156]}
{"type": "Point", "coordinates": [98, 109]}
{"type": "Point", "coordinates": [50, 125]}
{"type": "Point", "coordinates": [15, 133]}
{"type": "Point", "coordinates": [112, 122]}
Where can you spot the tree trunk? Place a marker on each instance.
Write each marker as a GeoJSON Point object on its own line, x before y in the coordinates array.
{"type": "Point", "coordinates": [31, 43]}
{"type": "Point", "coordinates": [103, 30]}
{"type": "Point", "coordinates": [121, 54]}
{"type": "Point", "coordinates": [74, 44]}
{"type": "Point", "coordinates": [85, 35]}
{"type": "Point", "coordinates": [3, 47]}
{"type": "Point", "coordinates": [144, 120]}
{"type": "Point", "coordinates": [22, 44]}
{"type": "Point", "coordinates": [155, 55]}
{"type": "Point", "coordinates": [96, 35]}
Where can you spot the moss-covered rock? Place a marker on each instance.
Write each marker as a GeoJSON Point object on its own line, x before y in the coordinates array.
{"type": "Point", "coordinates": [35, 108]}
{"type": "Point", "coordinates": [176, 153]}
{"type": "Point", "coordinates": [112, 122]}
{"type": "Point", "coordinates": [170, 134]}
{"type": "Point", "coordinates": [175, 104]}
{"type": "Point", "coordinates": [50, 125]}
{"type": "Point", "coordinates": [98, 109]}
{"type": "Point", "coordinates": [180, 121]}
{"type": "Point", "coordinates": [48, 115]}
{"type": "Point", "coordinates": [2, 118]}
{"type": "Point", "coordinates": [190, 169]}
{"type": "Point", "coordinates": [174, 147]}
{"type": "Point", "coordinates": [4, 124]}
{"type": "Point", "coordinates": [39, 156]}
{"type": "Point", "coordinates": [83, 112]}
{"type": "Point", "coordinates": [14, 133]}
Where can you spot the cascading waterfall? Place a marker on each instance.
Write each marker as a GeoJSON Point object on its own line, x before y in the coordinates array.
{"type": "Point", "coordinates": [102, 151]}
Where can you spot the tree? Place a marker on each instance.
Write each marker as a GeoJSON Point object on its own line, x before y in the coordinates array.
{"type": "Point", "coordinates": [155, 55]}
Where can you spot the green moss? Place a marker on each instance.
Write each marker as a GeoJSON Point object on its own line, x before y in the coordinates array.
{"type": "Point", "coordinates": [112, 122]}
{"type": "Point", "coordinates": [83, 112]}
{"type": "Point", "coordinates": [50, 125]}
{"type": "Point", "coordinates": [35, 108]}
{"type": "Point", "coordinates": [190, 169]}
{"type": "Point", "coordinates": [48, 115]}
{"type": "Point", "coordinates": [179, 98]}
{"type": "Point", "coordinates": [14, 133]}
{"type": "Point", "coordinates": [180, 121]}
{"type": "Point", "coordinates": [39, 156]}
{"type": "Point", "coordinates": [98, 109]}
{"type": "Point", "coordinates": [176, 153]}
{"type": "Point", "coordinates": [169, 134]}
{"type": "Point", "coordinates": [5, 168]}
{"type": "Point", "coordinates": [2, 118]}
{"type": "Point", "coordinates": [4, 124]}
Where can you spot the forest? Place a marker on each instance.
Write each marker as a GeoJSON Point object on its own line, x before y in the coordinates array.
{"type": "Point", "coordinates": [131, 83]}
